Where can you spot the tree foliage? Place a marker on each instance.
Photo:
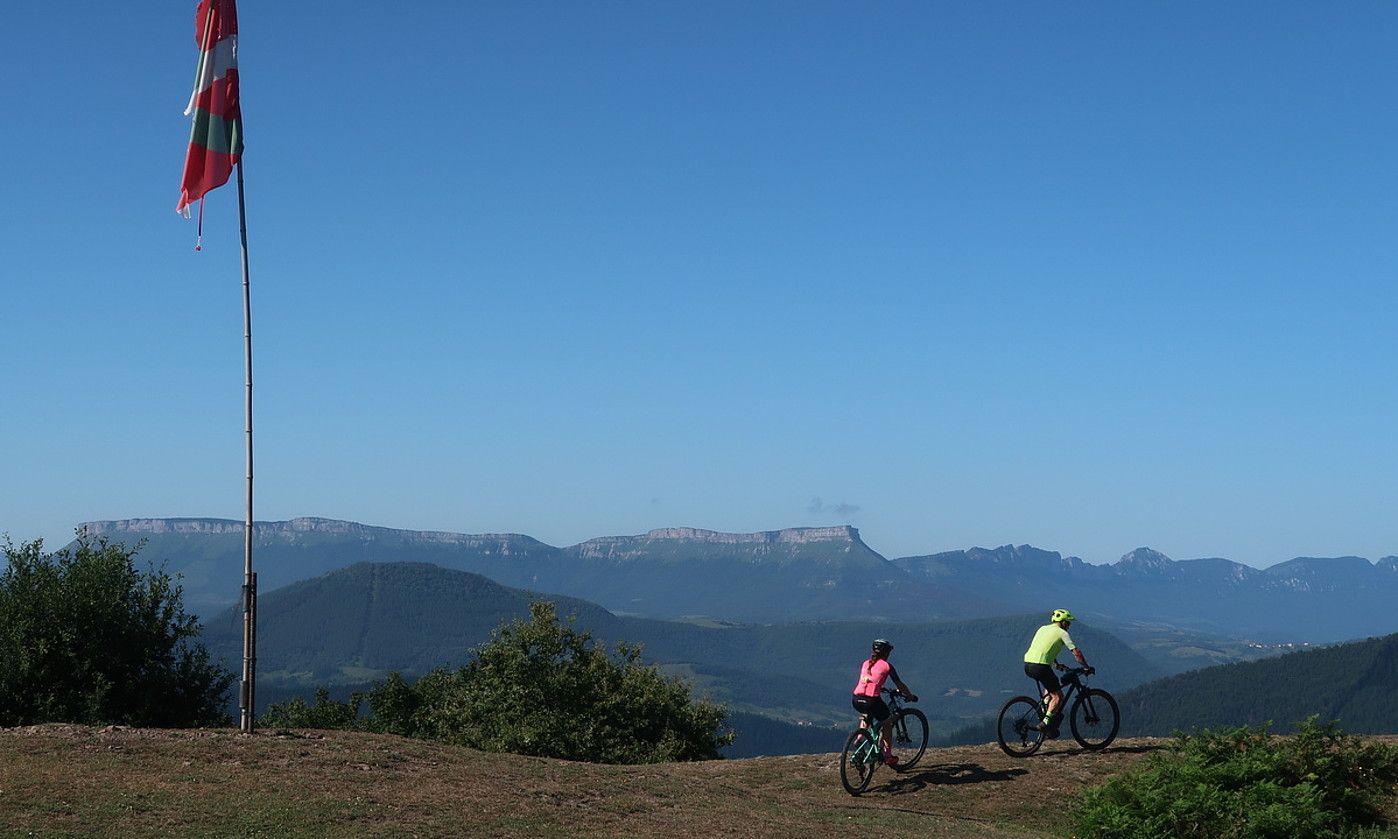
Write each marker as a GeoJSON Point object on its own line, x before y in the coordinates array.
{"type": "Point", "coordinates": [1353, 683]}
{"type": "Point", "coordinates": [86, 637]}
{"type": "Point", "coordinates": [1246, 783]}
{"type": "Point", "coordinates": [538, 687]}
{"type": "Point", "coordinates": [323, 713]}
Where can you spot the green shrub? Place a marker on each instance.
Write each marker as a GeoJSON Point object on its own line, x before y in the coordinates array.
{"type": "Point", "coordinates": [87, 637]}
{"type": "Point", "coordinates": [325, 713]}
{"type": "Point", "coordinates": [538, 687]}
{"type": "Point", "coordinates": [1246, 783]}
{"type": "Point", "coordinates": [394, 706]}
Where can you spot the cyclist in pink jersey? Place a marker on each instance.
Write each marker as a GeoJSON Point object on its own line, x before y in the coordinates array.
{"type": "Point", "coordinates": [872, 674]}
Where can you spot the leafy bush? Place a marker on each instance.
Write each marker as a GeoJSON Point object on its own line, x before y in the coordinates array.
{"type": "Point", "coordinates": [325, 713]}
{"type": "Point", "coordinates": [85, 637]}
{"type": "Point", "coordinates": [537, 688]}
{"type": "Point", "coordinates": [1246, 783]}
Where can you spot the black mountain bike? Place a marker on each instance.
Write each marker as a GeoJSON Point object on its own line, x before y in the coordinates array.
{"type": "Point", "coordinates": [1092, 715]}
{"type": "Point", "coordinates": [862, 754]}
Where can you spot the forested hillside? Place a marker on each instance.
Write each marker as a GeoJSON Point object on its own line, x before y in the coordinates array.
{"type": "Point", "coordinates": [359, 622]}
{"type": "Point", "coordinates": [1353, 683]}
{"type": "Point", "coordinates": [355, 625]}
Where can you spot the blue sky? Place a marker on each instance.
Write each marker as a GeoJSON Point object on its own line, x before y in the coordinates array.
{"type": "Point", "coordinates": [1085, 276]}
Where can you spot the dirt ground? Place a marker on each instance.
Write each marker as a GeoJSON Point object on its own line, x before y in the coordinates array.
{"type": "Point", "coordinates": [59, 779]}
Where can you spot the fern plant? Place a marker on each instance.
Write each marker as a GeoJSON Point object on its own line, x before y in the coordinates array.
{"type": "Point", "coordinates": [1246, 783]}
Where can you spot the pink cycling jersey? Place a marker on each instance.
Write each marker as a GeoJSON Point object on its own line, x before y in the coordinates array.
{"type": "Point", "coordinates": [872, 675]}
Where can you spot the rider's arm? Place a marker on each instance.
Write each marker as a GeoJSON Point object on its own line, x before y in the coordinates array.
{"type": "Point", "coordinates": [904, 689]}
{"type": "Point", "coordinates": [1077, 653]}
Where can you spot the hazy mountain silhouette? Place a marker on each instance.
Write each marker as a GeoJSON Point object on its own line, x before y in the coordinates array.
{"type": "Point", "coordinates": [770, 577]}
{"type": "Point", "coordinates": [803, 574]}
{"type": "Point", "coordinates": [1311, 599]}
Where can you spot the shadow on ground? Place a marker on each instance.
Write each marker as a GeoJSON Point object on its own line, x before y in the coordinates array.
{"type": "Point", "coordinates": [950, 774]}
{"type": "Point", "coordinates": [1136, 750]}
{"type": "Point", "coordinates": [1068, 747]}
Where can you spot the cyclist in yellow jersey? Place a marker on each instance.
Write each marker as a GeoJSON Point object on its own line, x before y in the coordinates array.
{"type": "Point", "coordinates": [1042, 657]}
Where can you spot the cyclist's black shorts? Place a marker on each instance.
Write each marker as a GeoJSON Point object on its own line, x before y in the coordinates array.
{"type": "Point", "coordinates": [1044, 675]}
{"type": "Point", "coordinates": [871, 705]}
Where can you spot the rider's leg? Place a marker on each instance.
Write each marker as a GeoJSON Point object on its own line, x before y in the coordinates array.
{"type": "Point", "coordinates": [861, 704]}
{"type": "Point", "coordinates": [1050, 691]}
{"type": "Point", "coordinates": [1051, 699]}
{"type": "Point", "coordinates": [1053, 718]}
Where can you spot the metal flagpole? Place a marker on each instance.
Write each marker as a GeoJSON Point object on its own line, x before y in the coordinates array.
{"type": "Point", "coordinates": [248, 693]}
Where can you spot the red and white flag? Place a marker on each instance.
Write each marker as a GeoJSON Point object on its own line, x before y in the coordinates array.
{"type": "Point", "coordinates": [216, 140]}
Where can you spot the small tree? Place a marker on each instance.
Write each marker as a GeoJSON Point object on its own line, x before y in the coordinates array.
{"type": "Point", "coordinates": [540, 688]}
{"type": "Point", "coordinates": [543, 688]}
{"type": "Point", "coordinates": [86, 637]}
{"type": "Point", "coordinates": [325, 713]}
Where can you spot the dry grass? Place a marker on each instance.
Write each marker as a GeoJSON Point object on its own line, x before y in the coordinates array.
{"type": "Point", "coordinates": [65, 780]}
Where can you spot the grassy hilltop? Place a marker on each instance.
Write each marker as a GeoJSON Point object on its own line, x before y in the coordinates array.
{"type": "Point", "coordinates": [60, 779]}
{"type": "Point", "coordinates": [64, 780]}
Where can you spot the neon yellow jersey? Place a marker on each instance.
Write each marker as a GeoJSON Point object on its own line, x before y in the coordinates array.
{"type": "Point", "coordinates": [1048, 642]}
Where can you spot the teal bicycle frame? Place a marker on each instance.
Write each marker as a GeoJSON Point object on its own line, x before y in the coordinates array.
{"type": "Point", "coordinates": [869, 751]}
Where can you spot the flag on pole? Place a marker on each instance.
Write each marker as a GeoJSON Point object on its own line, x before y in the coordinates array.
{"type": "Point", "coordinates": [216, 140]}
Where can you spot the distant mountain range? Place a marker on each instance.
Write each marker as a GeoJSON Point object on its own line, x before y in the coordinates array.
{"type": "Point", "coordinates": [774, 623]}
{"type": "Point", "coordinates": [820, 573]}
{"type": "Point", "coordinates": [1308, 598]}
{"type": "Point", "coordinates": [803, 574]}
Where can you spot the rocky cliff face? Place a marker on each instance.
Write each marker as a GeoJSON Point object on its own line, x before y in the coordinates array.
{"type": "Point", "coordinates": [800, 574]}
{"type": "Point", "coordinates": [1145, 560]}
{"type": "Point", "coordinates": [311, 524]}
{"type": "Point", "coordinates": [987, 562]}
{"type": "Point", "coordinates": [791, 535]}
{"type": "Point", "coordinates": [1020, 555]}
{"type": "Point", "coordinates": [294, 527]}
{"type": "Point", "coordinates": [1307, 573]}
{"type": "Point", "coordinates": [200, 526]}
{"type": "Point", "coordinates": [694, 543]}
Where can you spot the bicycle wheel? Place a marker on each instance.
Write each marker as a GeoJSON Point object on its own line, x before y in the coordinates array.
{"type": "Point", "coordinates": [857, 761]}
{"type": "Point", "coordinates": [909, 737]}
{"type": "Point", "coordinates": [1095, 719]}
{"type": "Point", "coordinates": [1018, 729]}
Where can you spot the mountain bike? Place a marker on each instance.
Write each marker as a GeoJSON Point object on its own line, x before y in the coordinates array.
{"type": "Point", "coordinates": [862, 754]}
{"type": "Point", "coordinates": [1092, 715]}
